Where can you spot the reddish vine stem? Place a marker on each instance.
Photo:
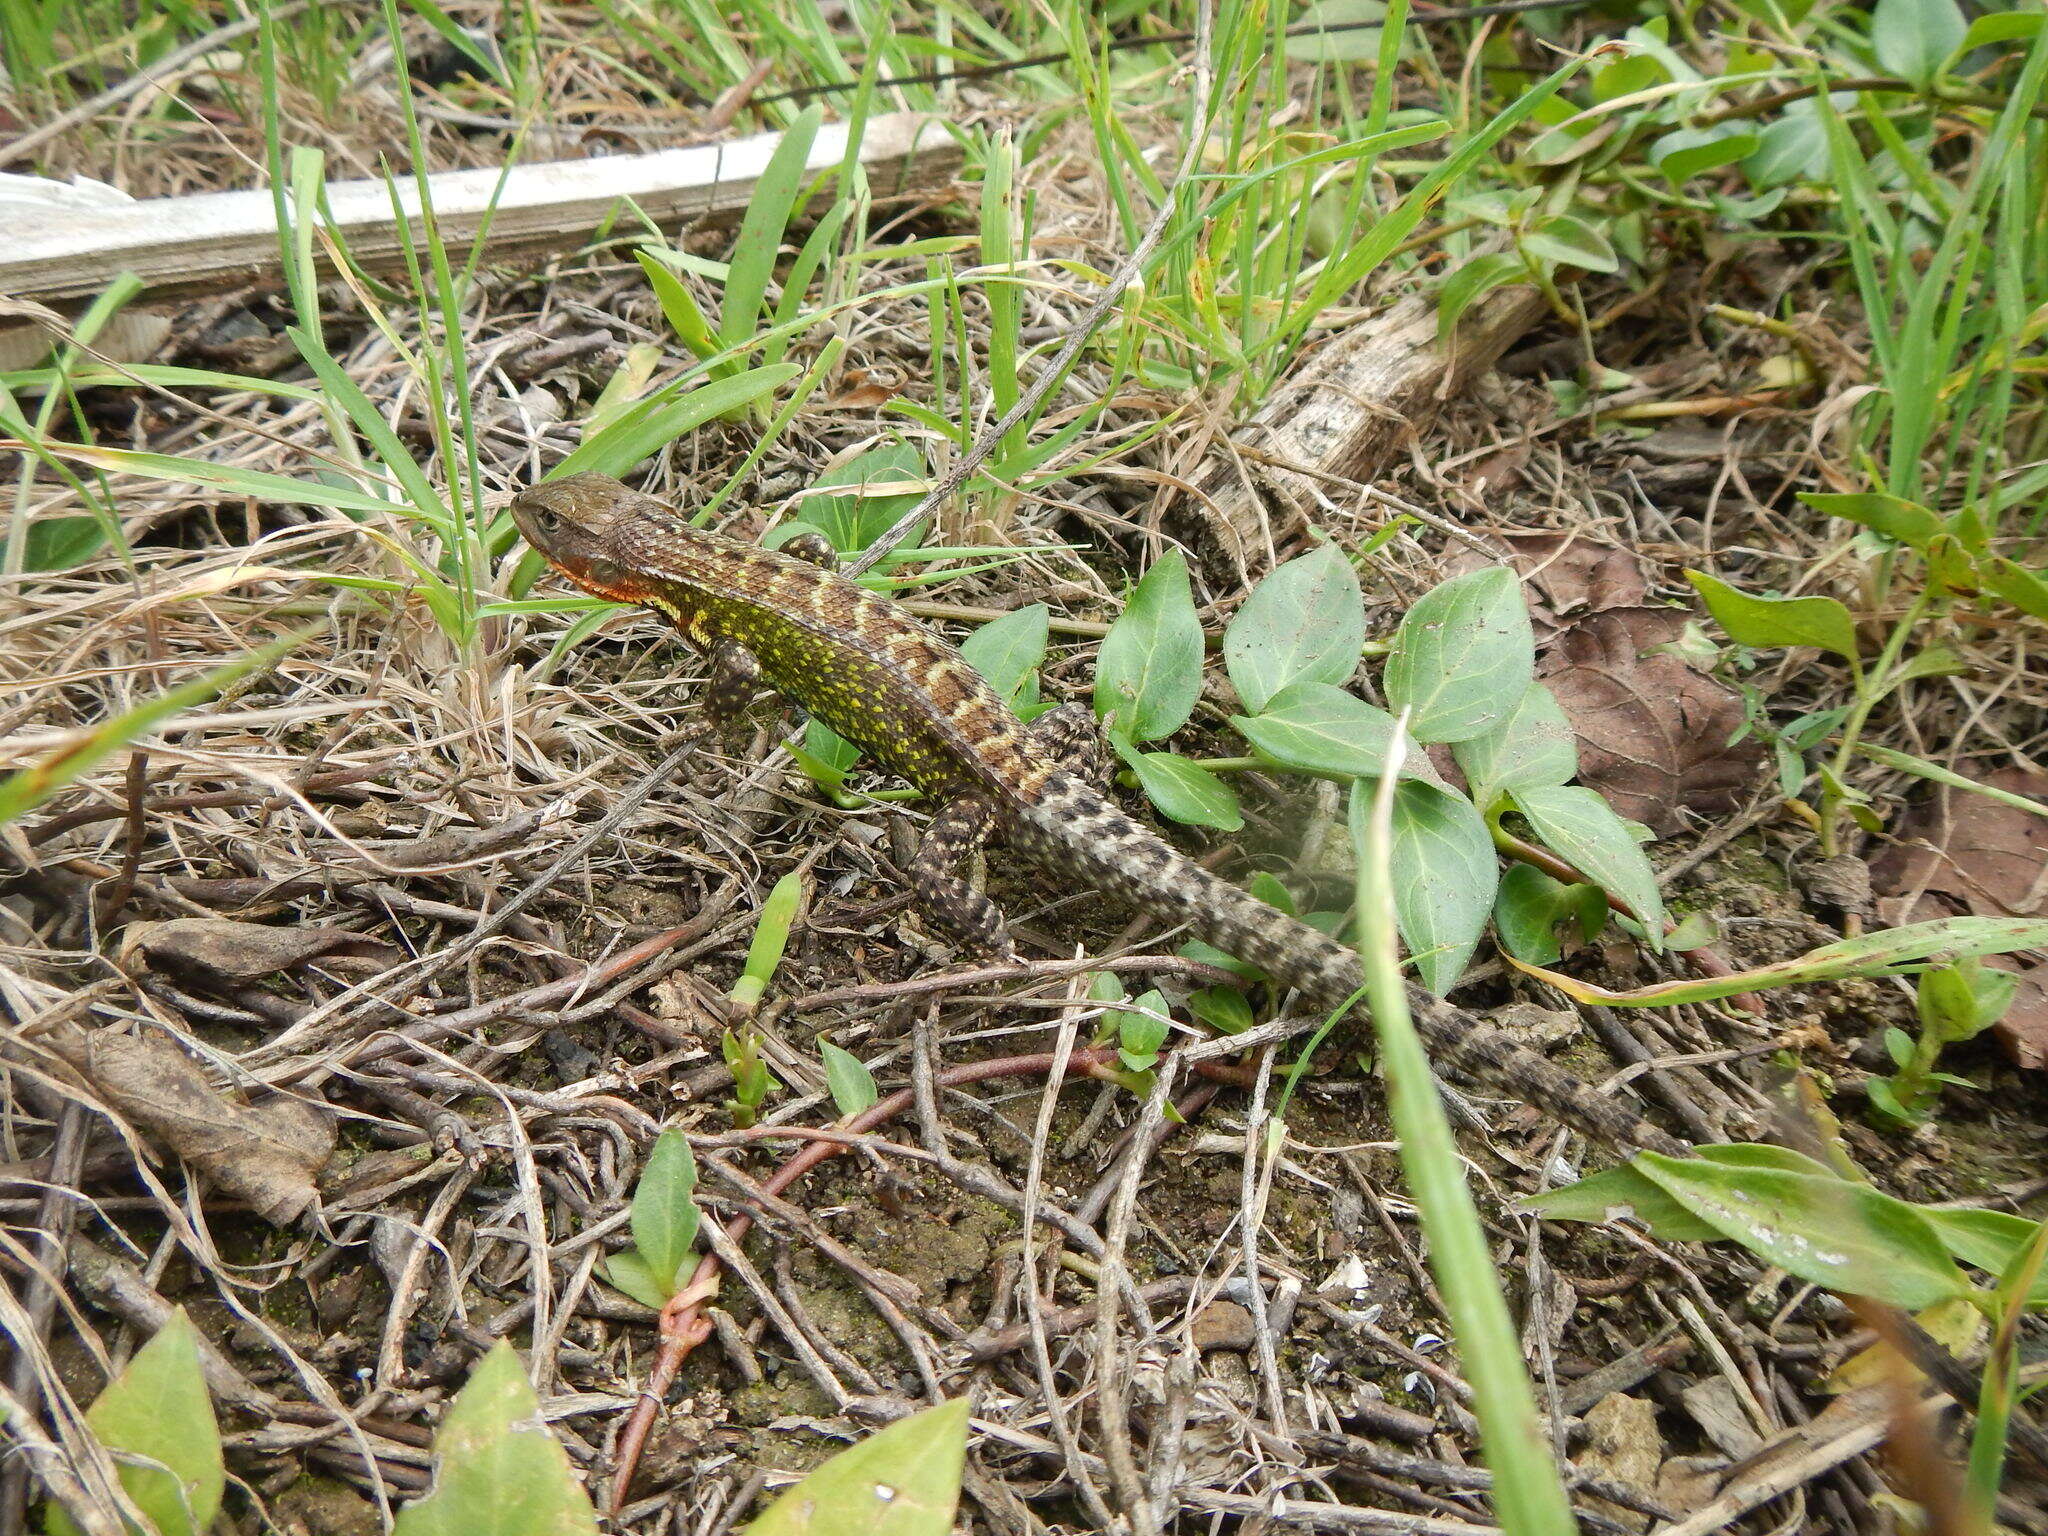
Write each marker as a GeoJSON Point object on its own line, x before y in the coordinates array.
{"type": "Point", "coordinates": [683, 1324]}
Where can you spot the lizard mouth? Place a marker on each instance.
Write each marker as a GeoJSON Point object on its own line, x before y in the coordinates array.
{"type": "Point", "coordinates": [598, 576]}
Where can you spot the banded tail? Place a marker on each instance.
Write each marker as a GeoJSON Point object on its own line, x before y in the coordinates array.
{"type": "Point", "coordinates": [1072, 824]}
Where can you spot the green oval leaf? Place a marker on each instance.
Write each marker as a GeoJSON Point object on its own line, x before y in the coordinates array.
{"type": "Point", "coordinates": [1008, 652]}
{"type": "Point", "coordinates": [1765, 622]}
{"type": "Point", "coordinates": [1444, 872]}
{"type": "Point", "coordinates": [628, 1271]}
{"type": "Point", "coordinates": [497, 1470]}
{"type": "Point", "coordinates": [1471, 281]}
{"type": "Point", "coordinates": [1571, 242]}
{"type": "Point", "coordinates": [1182, 791]}
{"type": "Point", "coordinates": [1915, 38]}
{"type": "Point", "coordinates": [1357, 44]}
{"type": "Point", "coordinates": [901, 1481]}
{"type": "Point", "coordinates": [2001, 27]}
{"type": "Point", "coordinates": [1531, 905]}
{"type": "Point", "coordinates": [1587, 831]}
{"type": "Point", "coordinates": [2017, 585]}
{"type": "Point", "coordinates": [1304, 623]}
{"type": "Point", "coordinates": [846, 1075]}
{"type": "Point", "coordinates": [1532, 745]}
{"type": "Point", "coordinates": [1617, 1192]}
{"type": "Point", "coordinates": [158, 1409]}
{"type": "Point", "coordinates": [664, 1212]}
{"type": "Point", "coordinates": [858, 515]}
{"type": "Point", "coordinates": [1794, 148]}
{"type": "Point", "coordinates": [1149, 673]}
{"type": "Point", "coordinates": [1844, 1236]}
{"type": "Point", "coordinates": [1315, 728]}
{"type": "Point", "coordinates": [1224, 1009]}
{"type": "Point", "coordinates": [1463, 655]}
{"type": "Point", "coordinates": [1893, 516]}
{"type": "Point", "coordinates": [1687, 152]}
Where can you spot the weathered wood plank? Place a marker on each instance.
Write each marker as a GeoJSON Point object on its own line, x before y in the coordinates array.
{"type": "Point", "coordinates": [218, 239]}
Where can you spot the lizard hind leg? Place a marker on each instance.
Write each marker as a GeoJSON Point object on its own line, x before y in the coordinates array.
{"type": "Point", "coordinates": [966, 916]}
{"type": "Point", "coordinates": [1067, 735]}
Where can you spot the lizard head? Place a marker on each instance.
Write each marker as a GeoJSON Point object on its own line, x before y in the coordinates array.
{"type": "Point", "coordinates": [585, 524]}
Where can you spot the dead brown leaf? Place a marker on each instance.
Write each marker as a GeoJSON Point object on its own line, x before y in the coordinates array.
{"type": "Point", "coordinates": [864, 390]}
{"type": "Point", "coordinates": [1566, 574]}
{"type": "Point", "coordinates": [219, 949]}
{"type": "Point", "coordinates": [1653, 732]}
{"type": "Point", "coordinates": [266, 1154]}
{"type": "Point", "coordinates": [1624, 1446]}
{"type": "Point", "coordinates": [1991, 858]}
{"type": "Point", "coordinates": [1576, 575]}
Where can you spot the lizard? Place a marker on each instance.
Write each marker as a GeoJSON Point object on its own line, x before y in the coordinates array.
{"type": "Point", "coordinates": [787, 620]}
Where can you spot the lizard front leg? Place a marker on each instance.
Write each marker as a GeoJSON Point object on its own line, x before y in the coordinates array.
{"type": "Point", "coordinates": [735, 679]}
{"type": "Point", "coordinates": [966, 916]}
{"type": "Point", "coordinates": [814, 547]}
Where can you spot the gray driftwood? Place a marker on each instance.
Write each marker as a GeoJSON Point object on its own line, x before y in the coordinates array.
{"type": "Point", "coordinates": [1344, 414]}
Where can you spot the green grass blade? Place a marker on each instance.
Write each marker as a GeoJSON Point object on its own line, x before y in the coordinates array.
{"type": "Point", "coordinates": [1342, 274]}
{"type": "Point", "coordinates": [1528, 1498]}
{"type": "Point", "coordinates": [768, 214]}
{"type": "Point", "coordinates": [22, 791]}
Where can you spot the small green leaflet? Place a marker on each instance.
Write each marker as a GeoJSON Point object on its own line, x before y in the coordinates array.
{"type": "Point", "coordinates": [1303, 623]}
{"type": "Point", "coordinates": [851, 1083]}
{"type": "Point", "coordinates": [497, 1470]}
{"type": "Point", "coordinates": [1009, 651]}
{"type": "Point", "coordinates": [1149, 672]}
{"type": "Point", "coordinates": [866, 497]}
{"type": "Point", "coordinates": [1532, 746]}
{"type": "Point", "coordinates": [1578, 824]}
{"type": "Point", "coordinates": [1765, 622]}
{"type": "Point", "coordinates": [1915, 38]}
{"type": "Point", "coordinates": [1796, 1213]}
{"type": "Point", "coordinates": [664, 1211]}
{"type": "Point", "coordinates": [901, 1481]}
{"type": "Point", "coordinates": [1895, 518]}
{"type": "Point", "coordinates": [1183, 791]}
{"type": "Point", "coordinates": [1566, 241]}
{"type": "Point", "coordinates": [1315, 728]}
{"type": "Point", "coordinates": [158, 1409]}
{"type": "Point", "coordinates": [1529, 907]}
{"type": "Point", "coordinates": [1444, 871]}
{"type": "Point", "coordinates": [1462, 657]}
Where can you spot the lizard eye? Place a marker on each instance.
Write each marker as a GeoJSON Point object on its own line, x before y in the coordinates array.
{"type": "Point", "coordinates": [548, 520]}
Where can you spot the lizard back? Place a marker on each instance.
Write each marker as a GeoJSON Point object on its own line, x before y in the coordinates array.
{"type": "Point", "coordinates": [854, 660]}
